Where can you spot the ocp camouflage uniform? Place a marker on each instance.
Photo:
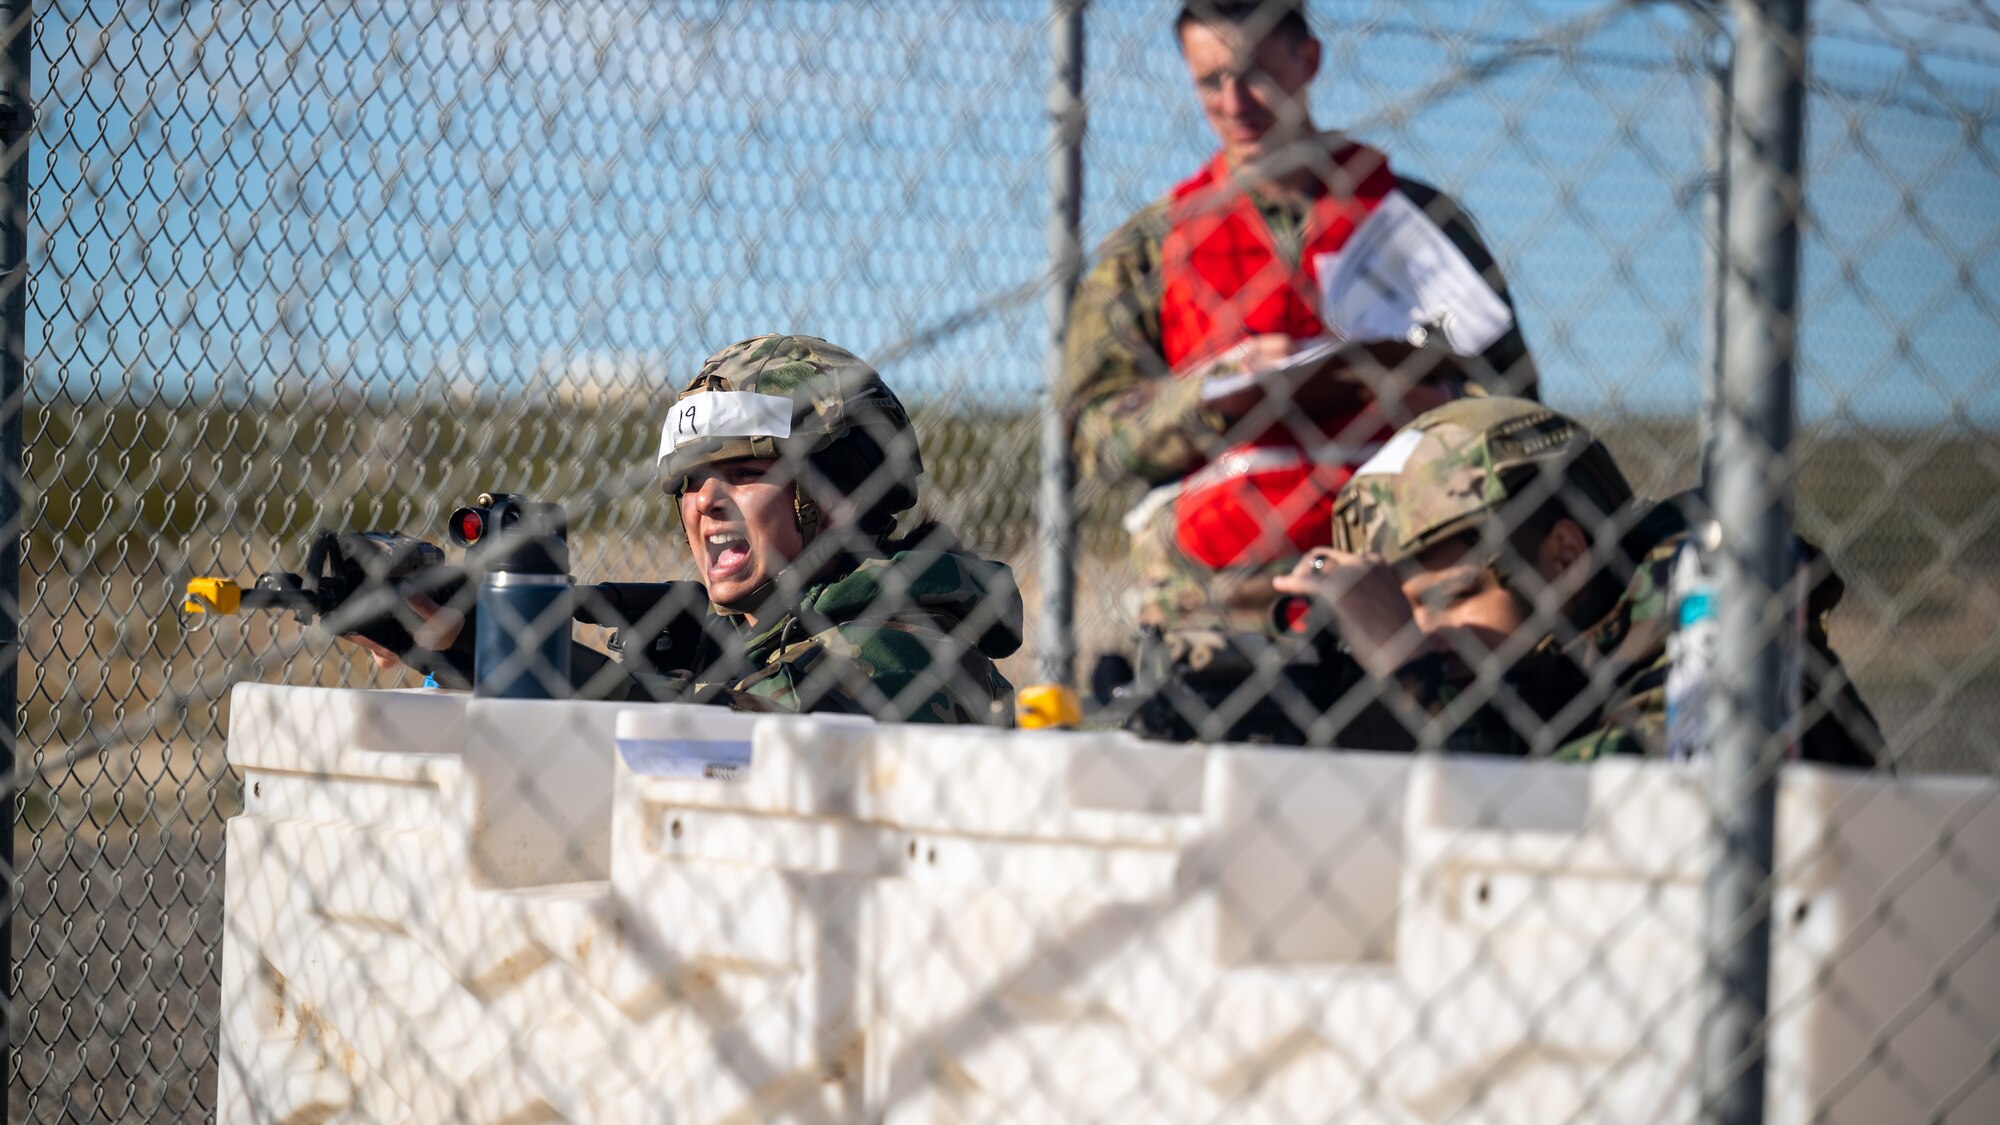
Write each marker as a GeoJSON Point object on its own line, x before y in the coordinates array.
{"type": "Point", "coordinates": [1133, 420]}
{"type": "Point", "coordinates": [1602, 691]}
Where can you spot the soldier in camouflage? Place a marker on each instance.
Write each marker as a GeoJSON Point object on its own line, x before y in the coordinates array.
{"type": "Point", "coordinates": [1498, 531]}
{"type": "Point", "coordinates": [1220, 276]}
{"type": "Point", "coordinates": [790, 462]}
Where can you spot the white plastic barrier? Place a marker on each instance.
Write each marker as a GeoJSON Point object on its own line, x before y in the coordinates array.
{"type": "Point", "coordinates": [447, 909]}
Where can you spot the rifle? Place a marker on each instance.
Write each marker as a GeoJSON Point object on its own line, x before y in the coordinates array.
{"type": "Point", "coordinates": [1295, 685]}
{"type": "Point", "coordinates": [360, 582]}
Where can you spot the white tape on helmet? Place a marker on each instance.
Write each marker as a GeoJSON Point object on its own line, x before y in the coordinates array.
{"type": "Point", "coordinates": [1393, 456]}
{"type": "Point", "coordinates": [713, 415]}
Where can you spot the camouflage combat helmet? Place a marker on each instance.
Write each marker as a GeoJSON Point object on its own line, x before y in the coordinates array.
{"type": "Point", "coordinates": [804, 401]}
{"type": "Point", "coordinates": [1453, 468]}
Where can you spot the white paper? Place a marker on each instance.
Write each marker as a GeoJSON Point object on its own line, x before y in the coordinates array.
{"type": "Point", "coordinates": [1310, 353]}
{"type": "Point", "coordinates": [725, 414]}
{"type": "Point", "coordinates": [1400, 271]}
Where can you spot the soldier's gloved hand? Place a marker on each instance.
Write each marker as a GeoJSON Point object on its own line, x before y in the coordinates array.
{"type": "Point", "coordinates": [1367, 602]}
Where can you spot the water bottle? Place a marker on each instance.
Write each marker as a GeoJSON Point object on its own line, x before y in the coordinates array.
{"type": "Point", "coordinates": [526, 597]}
{"type": "Point", "coordinates": [1691, 647]}
{"type": "Point", "coordinates": [523, 643]}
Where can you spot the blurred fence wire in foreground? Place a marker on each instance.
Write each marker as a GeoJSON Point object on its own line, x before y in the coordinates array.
{"type": "Point", "coordinates": [308, 264]}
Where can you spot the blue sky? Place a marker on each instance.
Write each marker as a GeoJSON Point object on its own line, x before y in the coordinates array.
{"type": "Point", "coordinates": [383, 196]}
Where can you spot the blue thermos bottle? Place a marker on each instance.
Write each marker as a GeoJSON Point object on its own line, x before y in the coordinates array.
{"type": "Point", "coordinates": [520, 551]}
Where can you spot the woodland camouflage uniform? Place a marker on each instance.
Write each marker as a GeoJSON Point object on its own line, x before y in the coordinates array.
{"type": "Point", "coordinates": [903, 630]}
{"type": "Point", "coordinates": [885, 638]}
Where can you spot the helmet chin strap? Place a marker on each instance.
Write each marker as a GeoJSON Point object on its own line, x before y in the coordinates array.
{"type": "Point", "coordinates": [749, 602]}
{"type": "Point", "coordinates": [806, 513]}
{"type": "Point", "coordinates": [1503, 577]}
{"type": "Point", "coordinates": [819, 544]}
{"type": "Point", "coordinates": [809, 520]}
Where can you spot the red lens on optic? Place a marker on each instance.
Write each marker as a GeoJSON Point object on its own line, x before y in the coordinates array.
{"type": "Point", "coordinates": [471, 525]}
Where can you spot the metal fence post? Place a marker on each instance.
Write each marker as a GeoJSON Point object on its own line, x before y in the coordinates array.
{"type": "Point", "coordinates": [1752, 491]}
{"type": "Point", "coordinates": [1057, 653]}
{"type": "Point", "coordinates": [1715, 222]}
{"type": "Point", "coordinates": [17, 18]}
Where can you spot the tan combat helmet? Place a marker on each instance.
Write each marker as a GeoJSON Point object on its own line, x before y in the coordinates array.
{"type": "Point", "coordinates": [1457, 466]}
{"type": "Point", "coordinates": [804, 401]}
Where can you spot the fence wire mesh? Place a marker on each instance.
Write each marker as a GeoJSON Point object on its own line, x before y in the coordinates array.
{"type": "Point", "coordinates": [301, 264]}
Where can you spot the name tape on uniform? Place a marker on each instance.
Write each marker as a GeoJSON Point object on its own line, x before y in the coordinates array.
{"type": "Point", "coordinates": [725, 414]}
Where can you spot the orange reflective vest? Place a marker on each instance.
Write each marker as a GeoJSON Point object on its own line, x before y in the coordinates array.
{"type": "Point", "coordinates": [1223, 281]}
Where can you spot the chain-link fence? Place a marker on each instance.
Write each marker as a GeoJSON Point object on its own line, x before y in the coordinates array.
{"type": "Point", "coordinates": [311, 265]}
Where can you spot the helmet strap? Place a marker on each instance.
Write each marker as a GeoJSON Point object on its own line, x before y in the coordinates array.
{"type": "Point", "coordinates": [807, 514]}
{"type": "Point", "coordinates": [811, 560]}
{"type": "Point", "coordinates": [1503, 577]}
